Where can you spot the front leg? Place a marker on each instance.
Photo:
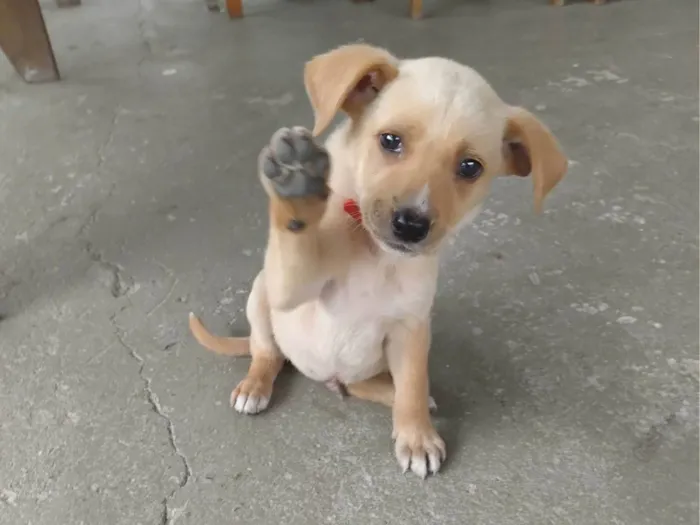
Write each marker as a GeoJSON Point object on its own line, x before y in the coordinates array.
{"type": "Point", "coordinates": [418, 446]}
{"type": "Point", "coordinates": [299, 259]}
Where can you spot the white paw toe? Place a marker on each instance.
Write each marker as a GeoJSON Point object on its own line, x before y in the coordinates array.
{"type": "Point", "coordinates": [249, 404]}
{"type": "Point", "coordinates": [255, 404]}
{"type": "Point", "coordinates": [419, 466]}
{"type": "Point", "coordinates": [421, 451]}
{"type": "Point", "coordinates": [434, 461]}
{"type": "Point", "coordinates": [404, 459]}
{"type": "Point", "coordinates": [238, 403]}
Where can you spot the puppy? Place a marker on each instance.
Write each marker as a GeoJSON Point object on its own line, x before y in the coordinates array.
{"type": "Point", "coordinates": [356, 226]}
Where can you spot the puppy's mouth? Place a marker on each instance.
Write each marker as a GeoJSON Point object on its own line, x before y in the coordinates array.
{"type": "Point", "coordinates": [391, 245]}
{"type": "Point", "coordinates": [380, 233]}
{"type": "Point", "coordinates": [395, 247]}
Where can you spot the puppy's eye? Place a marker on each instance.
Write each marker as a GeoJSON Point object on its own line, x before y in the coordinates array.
{"type": "Point", "coordinates": [391, 143]}
{"type": "Point", "coordinates": [470, 169]}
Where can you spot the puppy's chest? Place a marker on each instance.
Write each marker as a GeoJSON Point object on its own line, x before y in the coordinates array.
{"type": "Point", "coordinates": [348, 324]}
{"type": "Point", "coordinates": [353, 319]}
{"type": "Point", "coordinates": [369, 292]}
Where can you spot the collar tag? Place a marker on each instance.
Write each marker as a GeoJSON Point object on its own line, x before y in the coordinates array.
{"type": "Point", "coordinates": [351, 208]}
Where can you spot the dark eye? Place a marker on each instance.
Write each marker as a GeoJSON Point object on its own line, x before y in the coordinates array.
{"type": "Point", "coordinates": [470, 169]}
{"type": "Point", "coordinates": [390, 142]}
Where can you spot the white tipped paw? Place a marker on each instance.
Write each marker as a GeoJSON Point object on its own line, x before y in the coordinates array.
{"type": "Point", "coordinates": [419, 449]}
{"type": "Point", "coordinates": [294, 165]}
{"type": "Point", "coordinates": [251, 396]}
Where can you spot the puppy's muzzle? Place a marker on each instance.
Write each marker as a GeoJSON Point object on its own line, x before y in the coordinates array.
{"type": "Point", "coordinates": [410, 225]}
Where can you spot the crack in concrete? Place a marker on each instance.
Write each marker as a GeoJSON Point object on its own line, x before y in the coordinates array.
{"type": "Point", "coordinates": [121, 284]}
{"type": "Point", "coordinates": [146, 30]}
{"type": "Point", "coordinates": [92, 216]}
{"type": "Point", "coordinates": [174, 281]}
{"type": "Point", "coordinates": [169, 515]}
{"type": "Point", "coordinates": [108, 141]}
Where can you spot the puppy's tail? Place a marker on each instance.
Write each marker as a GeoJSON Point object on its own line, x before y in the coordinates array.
{"type": "Point", "coordinates": [235, 346]}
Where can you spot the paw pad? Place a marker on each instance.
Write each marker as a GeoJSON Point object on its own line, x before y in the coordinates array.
{"type": "Point", "coordinates": [295, 165]}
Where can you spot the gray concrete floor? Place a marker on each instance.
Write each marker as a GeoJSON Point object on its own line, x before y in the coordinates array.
{"type": "Point", "coordinates": [566, 345]}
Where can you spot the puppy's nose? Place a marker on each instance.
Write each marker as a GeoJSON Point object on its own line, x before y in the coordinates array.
{"type": "Point", "coordinates": [410, 225]}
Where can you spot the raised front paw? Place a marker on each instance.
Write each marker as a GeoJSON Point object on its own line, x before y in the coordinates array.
{"type": "Point", "coordinates": [293, 166]}
{"type": "Point", "coordinates": [419, 448]}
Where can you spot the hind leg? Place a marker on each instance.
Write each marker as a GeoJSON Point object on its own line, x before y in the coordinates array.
{"type": "Point", "coordinates": [379, 389]}
{"type": "Point", "coordinates": [252, 395]}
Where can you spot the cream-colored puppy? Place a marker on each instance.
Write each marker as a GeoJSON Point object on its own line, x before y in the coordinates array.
{"type": "Point", "coordinates": [351, 265]}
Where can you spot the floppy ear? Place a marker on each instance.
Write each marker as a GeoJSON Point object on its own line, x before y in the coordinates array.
{"type": "Point", "coordinates": [530, 148]}
{"type": "Point", "coordinates": [347, 78]}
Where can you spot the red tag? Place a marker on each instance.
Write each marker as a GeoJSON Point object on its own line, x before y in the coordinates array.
{"type": "Point", "coordinates": [352, 209]}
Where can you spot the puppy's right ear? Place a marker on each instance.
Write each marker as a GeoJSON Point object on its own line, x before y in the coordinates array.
{"type": "Point", "coordinates": [346, 78]}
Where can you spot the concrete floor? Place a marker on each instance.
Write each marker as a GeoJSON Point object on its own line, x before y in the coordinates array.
{"type": "Point", "coordinates": [565, 345]}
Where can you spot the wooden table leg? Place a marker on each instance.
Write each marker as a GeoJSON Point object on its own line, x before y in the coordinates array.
{"type": "Point", "coordinates": [234, 8]}
{"type": "Point", "coordinates": [416, 9]}
{"type": "Point", "coordinates": [25, 42]}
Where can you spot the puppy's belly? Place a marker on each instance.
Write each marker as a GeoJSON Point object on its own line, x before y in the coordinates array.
{"type": "Point", "coordinates": [324, 346]}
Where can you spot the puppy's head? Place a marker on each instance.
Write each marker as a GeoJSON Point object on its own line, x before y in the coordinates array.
{"type": "Point", "coordinates": [425, 140]}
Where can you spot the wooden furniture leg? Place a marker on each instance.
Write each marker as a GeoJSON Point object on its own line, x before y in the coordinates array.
{"type": "Point", "coordinates": [234, 8]}
{"type": "Point", "coordinates": [416, 9]}
{"type": "Point", "coordinates": [25, 42]}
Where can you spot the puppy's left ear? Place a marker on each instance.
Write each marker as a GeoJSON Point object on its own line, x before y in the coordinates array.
{"type": "Point", "coordinates": [346, 78]}
{"type": "Point", "coordinates": [530, 148]}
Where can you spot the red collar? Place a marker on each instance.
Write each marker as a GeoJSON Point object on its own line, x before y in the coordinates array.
{"type": "Point", "coordinates": [351, 208]}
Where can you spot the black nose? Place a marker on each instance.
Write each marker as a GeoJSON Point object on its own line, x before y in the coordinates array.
{"type": "Point", "coordinates": [409, 225]}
